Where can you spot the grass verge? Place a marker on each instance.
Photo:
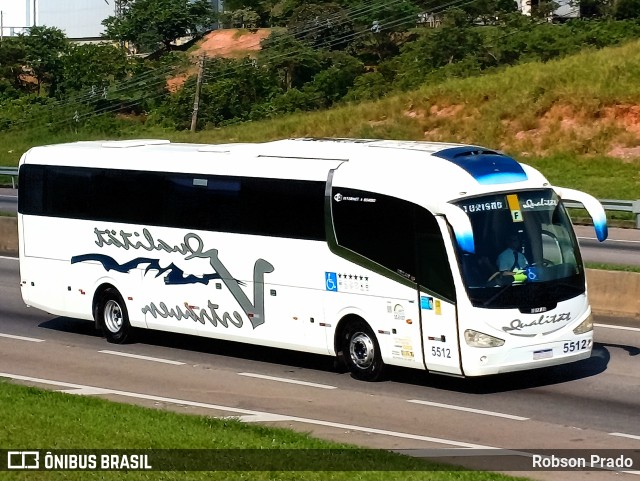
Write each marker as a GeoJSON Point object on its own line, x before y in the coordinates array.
{"type": "Point", "coordinates": [33, 418]}
{"type": "Point", "coordinates": [611, 267]}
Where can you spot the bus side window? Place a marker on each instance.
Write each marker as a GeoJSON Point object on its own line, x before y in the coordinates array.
{"type": "Point", "coordinates": [434, 271]}
{"type": "Point", "coordinates": [378, 227]}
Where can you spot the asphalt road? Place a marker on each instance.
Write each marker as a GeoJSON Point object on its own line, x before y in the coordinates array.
{"type": "Point", "coordinates": [592, 404]}
{"type": "Point", "coordinates": [8, 200]}
{"type": "Point", "coordinates": [621, 247]}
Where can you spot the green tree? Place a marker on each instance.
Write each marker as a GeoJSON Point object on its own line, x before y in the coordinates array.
{"type": "Point", "coordinates": [293, 61]}
{"type": "Point", "coordinates": [333, 83]}
{"type": "Point", "coordinates": [234, 88]}
{"type": "Point", "coordinates": [455, 41]}
{"type": "Point", "coordinates": [321, 25]}
{"type": "Point", "coordinates": [489, 11]}
{"type": "Point", "coordinates": [593, 8]}
{"type": "Point", "coordinates": [93, 67]}
{"type": "Point", "coordinates": [12, 58]}
{"type": "Point", "coordinates": [242, 18]}
{"type": "Point", "coordinates": [149, 24]}
{"type": "Point", "coordinates": [627, 9]}
{"type": "Point", "coordinates": [397, 16]}
{"type": "Point", "coordinates": [262, 7]}
{"type": "Point", "coordinates": [44, 48]}
{"type": "Point", "coordinates": [380, 28]}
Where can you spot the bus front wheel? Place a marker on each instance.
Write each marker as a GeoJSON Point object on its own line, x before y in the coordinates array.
{"type": "Point", "coordinates": [112, 317]}
{"type": "Point", "coordinates": [361, 352]}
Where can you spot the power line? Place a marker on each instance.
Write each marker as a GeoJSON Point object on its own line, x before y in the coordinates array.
{"type": "Point", "coordinates": [158, 80]}
{"type": "Point", "coordinates": [157, 77]}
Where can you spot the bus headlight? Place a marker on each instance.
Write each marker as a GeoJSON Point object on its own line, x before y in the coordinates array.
{"type": "Point", "coordinates": [585, 326]}
{"type": "Point", "coordinates": [480, 339]}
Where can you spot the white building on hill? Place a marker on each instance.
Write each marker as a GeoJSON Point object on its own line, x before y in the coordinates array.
{"type": "Point", "coordinates": [78, 19]}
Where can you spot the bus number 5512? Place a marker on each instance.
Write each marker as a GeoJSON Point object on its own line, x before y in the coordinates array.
{"type": "Point", "coordinates": [576, 345]}
{"type": "Point", "coordinates": [440, 352]}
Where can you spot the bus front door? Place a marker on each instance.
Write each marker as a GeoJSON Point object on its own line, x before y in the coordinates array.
{"type": "Point", "coordinates": [439, 334]}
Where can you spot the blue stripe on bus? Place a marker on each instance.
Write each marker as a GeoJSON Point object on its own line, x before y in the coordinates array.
{"type": "Point", "coordinates": [175, 275]}
{"type": "Point", "coordinates": [486, 166]}
{"type": "Point", "coordinates": [602, 231]}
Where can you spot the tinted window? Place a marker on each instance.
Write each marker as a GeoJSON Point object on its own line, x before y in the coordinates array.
{"type": "Point", "coordinates": [396, 234]}
{"type": "Point", "coordinates": [270, 207]}
{"type": "Point", "coordinates": [542, 235]}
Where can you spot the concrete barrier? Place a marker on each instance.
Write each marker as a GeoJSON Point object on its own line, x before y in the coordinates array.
{"type": "Point", "coordinates": [9, 236]}
{"type": "Point", "coordinates": [612, 294]}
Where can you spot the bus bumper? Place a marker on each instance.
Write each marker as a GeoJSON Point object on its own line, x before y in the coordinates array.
{"type": "Point", "coordinates": [485, 361]}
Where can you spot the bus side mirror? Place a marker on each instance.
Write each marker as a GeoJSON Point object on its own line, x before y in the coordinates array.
{"type": "Point", "coordinates": [461, 224]}
{"type": "Point", "coordinates": [593, 207]}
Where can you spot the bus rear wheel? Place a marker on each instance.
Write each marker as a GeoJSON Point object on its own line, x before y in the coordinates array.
{"type": "Point", "coordinates": [112, 317]}
{"type": "Point", "coordinates": [361, 352]}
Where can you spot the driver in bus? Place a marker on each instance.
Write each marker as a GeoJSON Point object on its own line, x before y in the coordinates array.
{"type": "Point", "coordinates": [512, 259]}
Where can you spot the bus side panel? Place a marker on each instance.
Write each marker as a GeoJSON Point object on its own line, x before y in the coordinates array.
{"type": "Point", "coordinates": [43, 274]}
{"type": "Point", "coordinates": [43, 284]}
{"type": "Point", "coordinates": [299, 316]}
{"type": "Point", "coordinates": [390, 309]}
{"type": "Point", "coordinates": [440, 331]}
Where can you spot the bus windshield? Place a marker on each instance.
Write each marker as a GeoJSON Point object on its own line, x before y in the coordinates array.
{"type": "Point", "coordinates": [526, 253]}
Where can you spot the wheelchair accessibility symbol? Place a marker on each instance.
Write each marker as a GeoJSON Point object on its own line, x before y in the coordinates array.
{"type": "Point", "coordinates": [532, 273]}
{"type": "Point", "coordinates": [331, 281]}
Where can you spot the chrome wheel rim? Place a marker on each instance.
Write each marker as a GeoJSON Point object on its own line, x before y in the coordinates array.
{"type": "Point", "coordinates": [113, 319]}
{"type": "Point", "coordinates": [361, 350]}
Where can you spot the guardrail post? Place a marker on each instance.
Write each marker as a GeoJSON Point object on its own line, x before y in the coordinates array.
{"type": "Point", "coordinates": [10, 172]}
{"type": "Point", "coordinates": [636, 212]}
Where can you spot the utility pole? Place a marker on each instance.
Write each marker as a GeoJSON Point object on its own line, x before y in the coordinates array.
{"type": "Point", "coordinates": [35, 22]}
{"type": "Point", "coordinates": [196, 101]}
{"type": "Point", "coordinates": [1, 25]}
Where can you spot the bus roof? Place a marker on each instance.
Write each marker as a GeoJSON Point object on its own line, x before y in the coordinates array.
{"type": "Point", "coordinates": [396, 167]}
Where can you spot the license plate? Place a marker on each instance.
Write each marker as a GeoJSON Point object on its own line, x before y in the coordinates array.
{"type": "Point", "coordinates": [545, 354]}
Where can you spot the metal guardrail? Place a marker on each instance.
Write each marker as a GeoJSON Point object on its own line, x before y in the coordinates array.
{"type": "Point", "coordinates": [12, 172]}
{"type": "Point", "coordinates": [632, 206]}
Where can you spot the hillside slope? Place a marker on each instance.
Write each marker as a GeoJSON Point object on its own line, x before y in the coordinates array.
{"type": "Point", "coordinates": [584, 104]}
{"type": "Point", "coordinates": [227, 43]}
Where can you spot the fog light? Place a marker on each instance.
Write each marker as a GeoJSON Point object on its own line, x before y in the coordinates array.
{"type": "Point", "coordinates": [585, 326]}
{"type": "Point", "coordinates": [480, 339]}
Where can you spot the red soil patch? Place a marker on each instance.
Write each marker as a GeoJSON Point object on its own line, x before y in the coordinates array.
{"type": "Point", "coordinates": [584, 125]}
{"type": "Point", "coordinates": [228, 43]}
{"type": "Point", "coordinates": [231, 43]}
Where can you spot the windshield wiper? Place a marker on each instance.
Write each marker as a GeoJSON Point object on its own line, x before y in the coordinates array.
{"type": "Point", "coordinates": [498, 294]}
{"type": "Point", "coordinates": [572, 287]}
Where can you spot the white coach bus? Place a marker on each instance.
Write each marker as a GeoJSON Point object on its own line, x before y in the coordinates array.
{"type": "Point", "coordinates": [379, 252]}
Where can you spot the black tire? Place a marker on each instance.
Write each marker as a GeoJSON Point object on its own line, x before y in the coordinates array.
{"type": "Point", "coordinates": [361, 352]}
{"type": "Point", "coordinates": [112, 317]}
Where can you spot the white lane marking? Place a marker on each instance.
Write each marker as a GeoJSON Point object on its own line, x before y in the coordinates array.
{"type": "Point", "coordinates": [9, 258]}
{"type": "Point", "coordinates": [86, 391]}
{"type": "Point", "coordinates": [622, 328]}
{"type": "Point", "coordinates": [287, 380]}
{"type": "Point", "coordinates": [249, 412]}
{"type": "Point", "coordinates": [623, 435]}
{"type": "Point", "coordinates": [22, 338]}
{"type": "Point", "coordinates": [611, 240]}
{"type": "Point", "coordinates": [470, 410]}
{"type": "Point", "coordinates": [144, 358]}
{"type": "Point", "coordinates": [258, 418]}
